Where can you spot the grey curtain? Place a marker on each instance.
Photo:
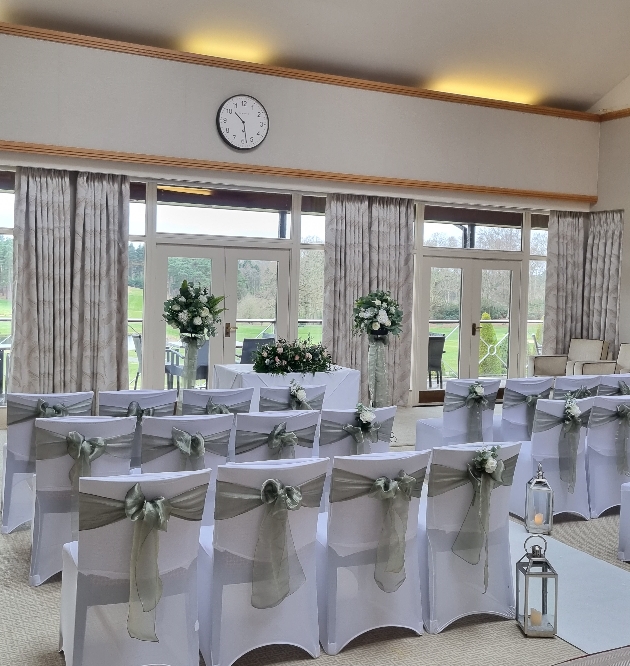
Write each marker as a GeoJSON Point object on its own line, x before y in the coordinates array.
{"type": "Point", "coordinates": [70, 282]}
{"type": "Point", "coordinates": [601, 278]}
{"type": "Point", "coordinates": [564, 287]}
{"type": "Point", "coordinates": [369, 246]}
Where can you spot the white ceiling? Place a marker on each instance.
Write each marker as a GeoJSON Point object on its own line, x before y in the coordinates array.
{"type": "Point", "coordinates": [564, 53]}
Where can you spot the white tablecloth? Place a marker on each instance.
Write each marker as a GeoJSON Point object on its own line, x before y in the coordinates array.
{"type": "Point", "coordinates": [342, 384]}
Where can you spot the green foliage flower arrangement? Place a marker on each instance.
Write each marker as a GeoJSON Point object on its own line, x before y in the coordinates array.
{"type": "Point", "coordinates": [194, 311]}
{"type": "Point", "coordinates": [377, 314]}
{"type": "Point", "coordinates": [281, 357]}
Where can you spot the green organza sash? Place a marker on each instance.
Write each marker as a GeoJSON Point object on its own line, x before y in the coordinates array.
{"type": "Point", "coordinates": [17, 413]}
{"type": "Point", "coordinates": [395, 494]}
{"type": "Point", "coordinates": [268, 404]}
{"type": "Point", "coordinates": [211, 408]}
{"type": "Point", "coordinates": [621, 415]}
{"type": "Point", "coordinates": [331, 432]}
{"type": "Point", "coordinates": [578, 393]}
{"type": "Point", "coordinates": [568, 442]}
{"type": "Point", "coordinates": [134, 409]}
{"type": "Point", "coordinates": [148, 516]}
{"type": "Point", "coordinates": [476, 405]}
{"type": "Point", "coordinates": [512, 398]}
{"type": "Point", "coordinates": [472, 537]}
{"type": "Point", "coordinates": [621, 389]}
{"type": "Point", "coordinates": [191, 446]}
{"type": "Point", "coordinates": [281, 442]}
{"type": "Point", "coordinates": [276, 571]}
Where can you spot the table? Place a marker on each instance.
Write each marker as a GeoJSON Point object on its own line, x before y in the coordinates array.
{"type": "Point", "coordinates": [342, 384]}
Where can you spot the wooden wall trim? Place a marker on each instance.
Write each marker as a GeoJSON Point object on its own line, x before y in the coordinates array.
{"type": "Point", "coordinates": [614, 115]}
{"type": "Point", "coordinates": [283, 72]}
{"type": "Point", "coordinates": [282, 172]}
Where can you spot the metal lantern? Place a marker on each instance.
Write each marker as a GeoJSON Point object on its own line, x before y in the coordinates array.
{"type": "Point", "coordinates": [536, 592]}
{"type": "Point", "coordinates": [538, 504]}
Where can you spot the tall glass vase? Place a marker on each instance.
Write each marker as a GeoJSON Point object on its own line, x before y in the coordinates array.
{"type": "Point", "coordinates": [378, 384]}
{"type": "Point", "coordinates": [191, 351]}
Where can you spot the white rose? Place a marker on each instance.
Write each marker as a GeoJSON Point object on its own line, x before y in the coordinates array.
{"type": "Point", "coordinates": [574, 410]}
{"type": "Point", "coordinates": [197, 321]}
{"type": "Point", "coordinates": [491, 465]}
{"type": "Point", "coordinates": [203, 299]}
{"type": "Point", "coordinates": [381, 316]}
{"type": "Point", "coordinates": [377, 302]}
{"type": "Point", "coordinates": [388, 323]}
{"type": "Point", "coordinates": [365, 314]}
{"type": "Point", "coordinates": [376, 326]}
{"type": "Point", "coordinates": [367, 416]}
{"type": "Point", "coordinates": [479, 389]}
{"type": "Point", "coordinates": [181, 299]}
{"type": "Point", "coordinates": [176, 308]}
{"type": "Point", "coordinates": [301, 395]}
{"type": "Point", "coordinates": [205, 312]}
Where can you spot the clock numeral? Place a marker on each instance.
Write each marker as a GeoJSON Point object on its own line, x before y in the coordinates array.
{"type": "Point", "coordinates": [262, 124]}
{"type": "Point", "coordinates": [227, 130]}
{"type": "Point", "coordinates": [259, 114]}
{"type": "Point", "coordinates": [229, 110]}
{"type": "Point", "coordinates": [244, 102]}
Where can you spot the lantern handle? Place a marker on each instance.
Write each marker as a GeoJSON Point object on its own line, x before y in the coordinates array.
{"type": "Point", "coordinates": [536, 536]}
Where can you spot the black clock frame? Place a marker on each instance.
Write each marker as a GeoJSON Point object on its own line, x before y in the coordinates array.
{"type": "Point", "coordinates": [218, 123]}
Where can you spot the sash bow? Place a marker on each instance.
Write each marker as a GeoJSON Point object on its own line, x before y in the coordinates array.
{"type": "Point", "coordinates": [279, 440]}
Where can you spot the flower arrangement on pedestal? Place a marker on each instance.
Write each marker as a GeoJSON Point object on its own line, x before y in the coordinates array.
{"type": "Point", "coordinates": [195, 313]}
{"type": "Point", "coordinates": [302, 356]}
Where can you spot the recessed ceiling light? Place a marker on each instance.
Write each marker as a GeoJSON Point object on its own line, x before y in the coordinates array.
{"type": "Point", "coordinates": [233, 47]}
{"type": "Point", "coordinates": [486, 89]}
{"type": "Point", "coordinates": [186, 190]}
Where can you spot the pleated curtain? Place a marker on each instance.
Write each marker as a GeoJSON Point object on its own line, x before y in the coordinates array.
{"type": "Point", "coordinates": [369, 246]}
{"type": "Point", "coordinates": [70, 282]}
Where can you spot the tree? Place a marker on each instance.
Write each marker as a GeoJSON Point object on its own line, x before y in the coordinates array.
{"type": "Point", "coordinates": [489, 363]}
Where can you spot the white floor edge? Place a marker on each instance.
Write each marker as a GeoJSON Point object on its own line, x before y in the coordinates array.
{"type": "Point", "coordinates": [593, 596]}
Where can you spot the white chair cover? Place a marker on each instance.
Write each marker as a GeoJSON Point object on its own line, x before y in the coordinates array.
{"type": "Point", "coordinates": [121, 403]}
{"type": "Point", "coordinates": [605, 432]}
{"type": "Point", "coordinates": [229, 625]}
{"type": "Point", "coordinates": [19, 450]}
{"type": "Point", "coordinates": [351, 602]}
{"type": "Point", "coordinates": [574, 383]}
{"type": "Point", "coordinates": [453, 588]}
{"type": "Point", "coordinates": [544, 450]}
{"type": "Point", "coordinates": [624, 524]}
{"type": "Point", "coordinates": [95, 586]}
{"type": "Point", "coordinates": [212, 401]}
{"type": "Point", "coordinates": [278, 398]}
{"type": "Point", "coordinates": [452, 428]}
{"type": "Point", "coordinates": [252, 430]}
{"type": "Point", "coordinates": [517, 415]}
{"type": "Point", "coordinates": [614, 385]}
{"type": "Point", "coordinates": [55, 497]}
{"type": "Point", "coordinates": [159, 454]}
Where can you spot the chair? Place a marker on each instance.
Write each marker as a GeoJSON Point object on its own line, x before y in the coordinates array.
{"type": "Point", "coordinates": [167, 447]}
{"type": "Point", "coordinates": [213, 401]}
{"type": "Point", "coordinates": [61, 459]}
{"type": "Point", "coordinates": [620, 366]}
{"type": "Point", "coordinates": [250, 345]}
{"type": "Point", "coordinates": [95, 589]}
{"type": "Point", "coordinates": [141, 403]}
{"type": "Point", "coordinates": [175, 365]}
{"type": "Point", "coordinates": [361, 540]}
{"type": "Point", "coordinates": [338, 436]}
{"type": "Point", "coordinates": [519, 405]}
{"type": "Point", "coordinates": [608, 467]}
{"type": "Point", "coordinates": [454, 427]}
{"type": "Point", "coordinates": [275, 435]}
{"type": "Point", "coordinates": [554, 365]}
{"type": "Point", "coordinates": [436, 349]}
{"type": "Point", "coordinates": [237, 611]}
{"type": "Point", "coordinates": [137, 344]}
{"type": "Point", "coordinates": [583, 386]}
{"type": "Point", "coordinates": [278, 398]}
{"type": "Point", "coordinates": [19, 450]}
{"type": "Point", "coordinates": [461, 578]}
{"type": "Point", "coordinates": [614, 384]}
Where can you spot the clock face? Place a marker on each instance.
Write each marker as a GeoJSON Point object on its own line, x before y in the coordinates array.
{"type": "Point", "coordinates": [242, 122]}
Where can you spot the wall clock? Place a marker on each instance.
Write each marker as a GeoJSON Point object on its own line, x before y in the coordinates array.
{"type": "Point", "coordinates": [242, 122]}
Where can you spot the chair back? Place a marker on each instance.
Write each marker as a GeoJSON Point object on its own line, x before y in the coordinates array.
{"type": "Point", "coordinates": [436, 349]}
{"type": "Point", "coordinates": [564, 385]}
{"type": "Point", "coordinates": [336, 442]}
{"type": "Point", "coordinates": [250, 345]}
{"type": "Point", "coordinates": [587, 350]}
{"type": "Point", "coordinates": [137, 344]}
{"type": "Point", "coordinates": [456, 422]}
{"type": "Point", "coordinates": [517, 415]}
{"type": "Point", "coordinates": [195, 401]}
{"type": "Point", "coordinates": [613, 384]}
{"type": "Point", "coordinates": [278, 398]}
{"type": "Point", "coordinates": [623, 358]}
{"type": "Point", "coordinates": [600, 437]}
{"type": "Point", "coordinates": [253, 430]}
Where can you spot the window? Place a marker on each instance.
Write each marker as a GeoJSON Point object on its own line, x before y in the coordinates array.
{"type": "Point", "coordinates": [472, 228]}
{"type": "Point", "coordinates": [135, 283]}
{"type": "Point", "coordinates": [536, 306]}
{"type": "Point", "coordinates": [192, 210]}
{"type": "Point", "coordinates": [313, 219]}
{"type": "Point", "coordinates": [311, 291]}
{"type": "Point", "coordinates": [539, 234]}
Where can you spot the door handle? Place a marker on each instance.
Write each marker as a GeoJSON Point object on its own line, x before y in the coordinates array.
{"type": "Point", "coordinates": [474, 328]}
{"type": "Point", "coordinates": [229, 328]}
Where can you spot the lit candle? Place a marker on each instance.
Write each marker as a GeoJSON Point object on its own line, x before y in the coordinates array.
{"type": "Point", "coordinates": [538, 519]}
{"type": "Point", "coordinates": [535, 617]}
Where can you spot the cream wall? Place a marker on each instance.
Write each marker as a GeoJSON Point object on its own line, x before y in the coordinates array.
{"type": "Point", "coordinates": [74, 96]}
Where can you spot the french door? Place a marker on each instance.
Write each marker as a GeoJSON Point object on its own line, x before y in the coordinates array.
{"type": "Point", "coordinates": [255, 283]}
{"type": "Point", "coordinates": [470, 314]}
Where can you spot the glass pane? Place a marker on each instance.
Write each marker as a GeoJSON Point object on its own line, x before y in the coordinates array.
{"type": "Point", "coordinates": [496, 238]}
{"type": "Point", "coordinates": [6, 285]}
{"type": "Point", "coordinates": [443, 235]}
{"type": "Point", "coordinates": [538, 242]}
{"type": "Point", "coordinates": [444, 324]}
{"type": "Point", "coordinates": [313, 228]}
{"type": "Point", "coordinates": [536, 306]}
{"type": "Point", "coordinates": [135, 306]}
{"type": "Point", "coordinates": [494, 331]}
{"type": "Point", "coordinates": [137, 219]}
{"type": "Point", "coordinates": [256, 300]}
{"type": "Point", "coordinates": [311, 308]}
{"type": "Point", "coordinates": [7, 202]}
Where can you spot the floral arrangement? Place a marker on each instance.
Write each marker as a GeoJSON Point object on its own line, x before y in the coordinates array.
{"type": "Point", "coordinates": [486, 460]}
{"type": "Point", "coordinates": [365, 417]}
{"type": "Point", "coordinates": [194, 312]}
{"type": "Point", "coordinates": [571, 413]}
{"type": "Point", "coordinates": [281, 357]}
{"type": "Point", "coordinates": [297, 391]}
{"type": "Point", "coordinates": [377, 314]}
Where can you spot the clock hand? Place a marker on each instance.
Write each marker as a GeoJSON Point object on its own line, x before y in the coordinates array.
{"type": "Point", "coordinates": [236, 114]}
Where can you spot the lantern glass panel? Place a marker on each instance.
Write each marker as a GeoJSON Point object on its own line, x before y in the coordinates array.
{"type": "Point", "coordinates": [541, 601]}
{"type": "Point", "coordinates": [539, 509]}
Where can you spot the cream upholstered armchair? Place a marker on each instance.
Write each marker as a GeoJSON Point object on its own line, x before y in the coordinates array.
{"type": "Point", "coordinates": [580, 351]}
{"type": "Point", "coordinates": [620, 366]}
